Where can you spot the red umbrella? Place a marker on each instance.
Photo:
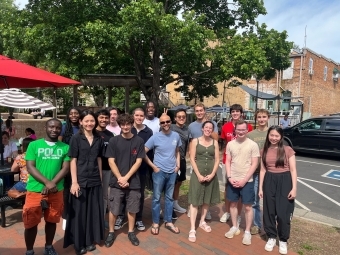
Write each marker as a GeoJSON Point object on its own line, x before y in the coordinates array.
{"type": "Point", "coordinates": [14, 74]}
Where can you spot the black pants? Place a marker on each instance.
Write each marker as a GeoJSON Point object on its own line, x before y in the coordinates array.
{"type": "Point", "coordinates": [142, 178]}
{"type": "Point", "coordinates": [277, 208]}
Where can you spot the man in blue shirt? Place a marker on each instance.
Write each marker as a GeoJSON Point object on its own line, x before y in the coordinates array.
{"type": "Point", "coordinates": [165, 166]}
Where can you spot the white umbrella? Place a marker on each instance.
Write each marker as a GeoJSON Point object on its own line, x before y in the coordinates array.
{"type": "Point", "coordinates": [15, 98]}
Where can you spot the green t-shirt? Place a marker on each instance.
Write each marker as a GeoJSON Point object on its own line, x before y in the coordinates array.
{"type": "Point", "coordinates": [49, 158]}
{"type": "Point", "coordinates": [258, 137]}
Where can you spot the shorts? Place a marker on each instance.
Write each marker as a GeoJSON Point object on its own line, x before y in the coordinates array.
{"type": "Point", "coordinates": [132, 197]}
{"type": "Point", "coordinates": [246, 193]}
{"type": "Point", "coordinates": [183, 168]}
{"type": "Point", "coordinates": [32, 211]}
{"type": "Point", "coordinates": [20, 186]}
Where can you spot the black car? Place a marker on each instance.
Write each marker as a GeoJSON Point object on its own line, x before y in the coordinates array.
{"type": "Point", "coordinates": [319, 135]}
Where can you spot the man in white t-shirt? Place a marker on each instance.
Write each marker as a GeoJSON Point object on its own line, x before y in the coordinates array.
{"type": "Point", "coordinates": [151, 120]}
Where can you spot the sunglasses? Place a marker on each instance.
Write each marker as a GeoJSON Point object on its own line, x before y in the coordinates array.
{"type": "Point", "coordinates": [163, 122]}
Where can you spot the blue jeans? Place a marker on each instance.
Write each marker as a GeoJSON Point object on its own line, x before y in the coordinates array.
{"type": "Point", "coordinates": [256, 205]}
{"type": "Point", "coordinates": [163, 181]}
{"type": "Point", "coordinates": [20, 186]}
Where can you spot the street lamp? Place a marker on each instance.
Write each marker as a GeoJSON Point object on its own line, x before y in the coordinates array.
{"type": "Point", "coordinates": [257, 97]}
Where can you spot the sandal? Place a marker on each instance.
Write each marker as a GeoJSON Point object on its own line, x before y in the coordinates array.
{"type": "Point", "coordinates": [192, 236]}
{"type": "Point", "coordinates": [154, 230]}
{"type": "Point", "coordinates": [203, 225]}
{"type": "Point", "coordinates": [172, 228]}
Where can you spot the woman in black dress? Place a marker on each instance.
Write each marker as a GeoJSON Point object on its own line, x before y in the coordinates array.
{"type": "Point", "coordinates": [85, 219]}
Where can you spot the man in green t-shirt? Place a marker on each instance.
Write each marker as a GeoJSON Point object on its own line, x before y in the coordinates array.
{"type": "Point", "coordinates": [259, 136]}
{"type": "Point", "coordinates": [47, 163]}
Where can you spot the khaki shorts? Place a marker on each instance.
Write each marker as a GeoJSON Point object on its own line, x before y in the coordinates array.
{"type": "Point", "coordinates": [132, 197]}
{"type": "Point", "coordinates": [32, 211]}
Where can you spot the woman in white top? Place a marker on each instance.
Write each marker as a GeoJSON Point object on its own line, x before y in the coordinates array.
{"type": "Point", "coordinates": [10, 148]}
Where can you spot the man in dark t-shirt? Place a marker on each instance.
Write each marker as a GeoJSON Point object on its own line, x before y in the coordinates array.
{"type": "Point", "coordinates": [103, 117]}
{"type": "Point", "coordinates": [125, 153]}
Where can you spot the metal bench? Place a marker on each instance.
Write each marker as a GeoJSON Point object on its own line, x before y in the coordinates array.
{"type": "Point", "coordinates": [4, 201]}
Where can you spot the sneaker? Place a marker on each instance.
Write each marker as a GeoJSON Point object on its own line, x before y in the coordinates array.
{"type": "Point", "coordinates": [140, 226]}
{"type": "Point", "coordinates": [50, 251]}
{"type": "Point", "coordinates": [255, 230]}
{"type": "Point", "coordinates": [225, 217]}
{"type": "Point", "coordinates": [174, 215]}
{"type": "Point", "coordinates": [283, 247]}
{"type": "Point", "coordinates": [208, 216]}
{"type": "Point", "coordinates": [177, 208]}
{"type": "Point", "coordinates": [111, 237]}
{"type": "Point", "coordinates": [232, 232]}
{"type": "Point", "coordinates": [133, 238]}
{"type": "Point", "coordinates": [270, 244]}
{"type": "Point", "coordinates": [246, 238]}
{"type": "Point", "coordinates": [29, 253]}
{"type": "Point", "coordinates": [239, 220]}
{"type": "Point", "coordinates": [119, 223]}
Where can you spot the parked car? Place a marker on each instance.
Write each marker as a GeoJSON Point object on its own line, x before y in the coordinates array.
{"type": "Point", "coordinates": [320, 135]}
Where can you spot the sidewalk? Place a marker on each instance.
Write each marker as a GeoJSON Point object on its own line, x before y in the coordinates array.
{"type": "Point", "coordinates": [12, 239]}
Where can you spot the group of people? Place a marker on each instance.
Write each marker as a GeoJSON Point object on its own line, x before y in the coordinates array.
{"type": "Point", "coordinates": [99, 163]}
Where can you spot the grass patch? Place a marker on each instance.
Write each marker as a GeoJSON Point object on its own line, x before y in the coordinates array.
{"type": "Point", "coordinates": [307, 247]}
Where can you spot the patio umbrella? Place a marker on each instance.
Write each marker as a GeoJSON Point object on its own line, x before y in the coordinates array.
{"type": "Point", "coordinates": [15, 98]}
{"type": "Point", "coordinates": [14, 74]}
{"type": "Point", "coordinates": [180, 106]}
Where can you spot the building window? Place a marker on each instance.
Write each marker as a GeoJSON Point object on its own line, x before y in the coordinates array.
{"type": "Point", "coordinates": [183, 94]}
{"type": "Point", "coordinates": [310, 69]}
{"type": "Point", "coordinates": [82, 102]}
{"type": "Point", "coordinates": [325, 69]}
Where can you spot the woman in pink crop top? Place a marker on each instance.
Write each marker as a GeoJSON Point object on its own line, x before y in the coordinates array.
{"type": "Point", "coordinates": [277, 187]}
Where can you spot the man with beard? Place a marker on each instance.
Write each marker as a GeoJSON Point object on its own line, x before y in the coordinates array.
{"type": "Point", "coordinates": [113, 125]}
{"type": "Point", "coordinates": [151, 120]}
{"type": "Point", "coordinates": [166, 164]}
{"type": "Point", "coordinates": [47, 162]}
{"type": "Point", "coordinates": [103, 117]}
{"type": "Point", "coordinates": [183, 131]}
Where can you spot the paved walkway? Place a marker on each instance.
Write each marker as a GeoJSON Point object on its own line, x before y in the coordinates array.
{"type": "Point", "coordinates": [12, 239]}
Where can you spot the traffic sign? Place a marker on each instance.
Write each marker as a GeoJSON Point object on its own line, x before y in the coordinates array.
{"type": "Point", "coordinates": [333, 174]}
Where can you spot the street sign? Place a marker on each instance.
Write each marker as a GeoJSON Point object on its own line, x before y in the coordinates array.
{"type": "Point", "coordinates": [333, 174]}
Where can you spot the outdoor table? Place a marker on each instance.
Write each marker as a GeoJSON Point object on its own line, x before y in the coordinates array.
{"type": "Point", "coordinates": [5, 170]}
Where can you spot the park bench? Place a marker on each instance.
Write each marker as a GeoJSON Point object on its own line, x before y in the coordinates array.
{"type": "Point", "coordinates": [4, 201]}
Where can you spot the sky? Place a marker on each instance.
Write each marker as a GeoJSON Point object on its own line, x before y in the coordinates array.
{"type": "Point", "coordinates": [318, 19]}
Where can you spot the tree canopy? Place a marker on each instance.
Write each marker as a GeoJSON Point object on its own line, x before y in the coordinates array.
{"type": "Point", "coordinates": [199, 42]}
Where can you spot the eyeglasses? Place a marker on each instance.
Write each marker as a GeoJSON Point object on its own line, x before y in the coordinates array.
{"type": "Point", "coordinates": [181, 117]}
{"type": "Point", "coordinates": [163, 122]}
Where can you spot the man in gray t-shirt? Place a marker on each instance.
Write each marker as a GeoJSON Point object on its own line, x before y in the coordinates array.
{"type": "Point", "coordinates": [183, 131]}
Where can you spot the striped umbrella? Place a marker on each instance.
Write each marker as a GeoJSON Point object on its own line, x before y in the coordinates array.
{"type": "Point", "coordinates": [15, 98]}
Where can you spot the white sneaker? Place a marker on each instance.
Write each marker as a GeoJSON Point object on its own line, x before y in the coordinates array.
{"type": "Point", "coordinates": [233, 231]}
{"type": "Point", "coordinates": [246, 238]}
{"type": "Point", "coordinates": [208, 216]}
{"type": "Point", "coordinates": [283, 247]}
{"type": "Point", "coordinates": [239, 220]}
{"type": "Point", "coordinates": [225, 217]}
{"type": "Point", "coordinates": [270, 244]}
{"type": "Point", "coordinates": [177, 208]}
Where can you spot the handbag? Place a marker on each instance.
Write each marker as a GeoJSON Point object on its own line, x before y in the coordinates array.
{"type": "Point", "coordinates": [13, 193]}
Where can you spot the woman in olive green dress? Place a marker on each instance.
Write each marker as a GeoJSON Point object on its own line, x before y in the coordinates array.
{"type": "Point", "coordinates": [204, 188]}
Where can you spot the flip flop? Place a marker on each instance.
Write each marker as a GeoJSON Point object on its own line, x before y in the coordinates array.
{"type": "Point", "coordinates": [172, 228]}
{"type": "Point", "coordinates": [154, 230]}
{"type": "Point", "coordinates": [192, 236]}
{"type": "Point", "coordinates": [203, 225]}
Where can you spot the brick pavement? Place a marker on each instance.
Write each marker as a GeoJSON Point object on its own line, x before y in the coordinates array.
{"type": "Point", "coordinates": [12, 239]}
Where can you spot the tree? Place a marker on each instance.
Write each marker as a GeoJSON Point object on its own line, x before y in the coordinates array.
{"type": "Point", "coordinates": [149, 38]}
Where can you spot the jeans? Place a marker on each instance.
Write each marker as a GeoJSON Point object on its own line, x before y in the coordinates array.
{"type": "Point", "coordinates": [163, 181]}
{"type": "Point", "coordinates": [20, 186]}
{"type": "Point", "coordinates": [256, 205]}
